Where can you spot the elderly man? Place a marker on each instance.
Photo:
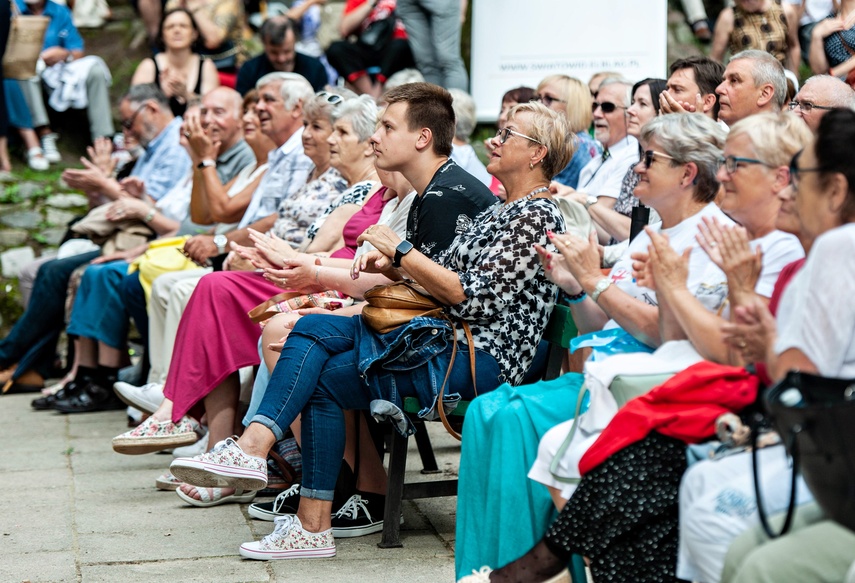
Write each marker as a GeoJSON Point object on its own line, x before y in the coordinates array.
{"type": "Point", "coordinates": [71, 79]}
{"type": "Point", "coordinates": [107, 292]}
{"type": "Point", "coordinates": [691, 86]}
{"type": "Point", "coordinates": [818, 95]}
{"type": "Point", "coordinates": [281, 98]}
{"type": "Point", "coordinates": [753, 82]}
{"type": "Point", "coordinates": [600, 180]}
{"type": "Point", "coordinates": [279, 54]}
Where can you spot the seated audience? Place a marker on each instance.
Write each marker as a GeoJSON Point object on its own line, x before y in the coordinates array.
{"type": "Point", "coordinates": [180, 72]}
{"type": "Point", "coordinates": [70, 79]}
{"type": "Point", "coordinates": [370, 42]}
{"type": "Point", "coordinates": [819, 95]}
{"type": "Point", "coordinates": [539, 138]}
{"type": "Point", "coordinates": [279, 40]}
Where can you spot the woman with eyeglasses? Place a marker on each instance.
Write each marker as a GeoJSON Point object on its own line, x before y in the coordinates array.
{"type": "Point", "coordinates": [489, 278]}
{"type": "Point", "coordinates": [812, 332]}
{"type": "Point", "coordinates": [571, 97]}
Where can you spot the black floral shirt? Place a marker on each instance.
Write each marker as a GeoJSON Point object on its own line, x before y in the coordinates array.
{"type": "Point", "coordinates": [508, 298]}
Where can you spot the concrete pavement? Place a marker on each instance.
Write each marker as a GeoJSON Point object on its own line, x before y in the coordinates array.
{"type": "Point", "coordinates": [74, 510]}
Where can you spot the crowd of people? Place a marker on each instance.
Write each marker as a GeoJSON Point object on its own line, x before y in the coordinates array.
{"type": "Point", "coordinates": [690, 225]}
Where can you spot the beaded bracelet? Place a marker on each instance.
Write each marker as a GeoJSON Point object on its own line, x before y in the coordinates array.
{"type": "Point", "coordinates": [576, 298]}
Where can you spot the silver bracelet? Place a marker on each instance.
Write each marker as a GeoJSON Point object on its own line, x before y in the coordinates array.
{"type": "Point", "coordinates": [318, 274]}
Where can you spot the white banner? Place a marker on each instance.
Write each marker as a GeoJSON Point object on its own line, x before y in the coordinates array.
{"type": "Point", "coordinates": [518, 43]}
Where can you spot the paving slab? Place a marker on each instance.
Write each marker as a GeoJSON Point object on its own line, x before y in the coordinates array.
{"type": "Point", "coordinates": [43, 566]}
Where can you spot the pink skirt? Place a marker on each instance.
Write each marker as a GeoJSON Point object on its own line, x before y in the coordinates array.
{"type": "Point", "coordinates": [215, 337]}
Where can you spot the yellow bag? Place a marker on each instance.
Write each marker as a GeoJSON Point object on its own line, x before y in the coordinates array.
{"type": "Point", "coordinates": [26, 37]}
{"type": "Point", "coordinates": [163, 256]}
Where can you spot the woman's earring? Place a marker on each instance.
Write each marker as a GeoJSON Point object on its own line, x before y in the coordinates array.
{"type": "Point", "coordinates": [530, 166]}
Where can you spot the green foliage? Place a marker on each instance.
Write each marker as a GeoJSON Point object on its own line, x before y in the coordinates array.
{"type": "Point", "coordinates": [10, 195]}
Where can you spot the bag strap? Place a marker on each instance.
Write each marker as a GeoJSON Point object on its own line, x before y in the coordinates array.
{"type": "Point", "coordinates": [792, 447]}
{"type": "Point", "coordinates": [556, 461]}
{"type": "Point", "coordinates": [259, 313]}
{"type": "Point", "coordinates": [439, 406]}
{"type": "Point", "coordinates": [16, 10]}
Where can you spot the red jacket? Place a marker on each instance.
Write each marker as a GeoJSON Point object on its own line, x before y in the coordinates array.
{"type": "Point", "coordinates": [685, 407]}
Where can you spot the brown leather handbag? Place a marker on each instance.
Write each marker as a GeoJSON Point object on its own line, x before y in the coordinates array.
{"type": "Point", "coordinates": [393, 305]}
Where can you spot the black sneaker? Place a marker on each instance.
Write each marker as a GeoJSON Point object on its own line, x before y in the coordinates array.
{"type": "Point", "coordinates": [362, 514]}
{"type": "Point", "coordinates": [287, 502]}
{"type": "Point", "coordinates": [70, 389]}
{"type": "Point", "coordinates": [92, 398]}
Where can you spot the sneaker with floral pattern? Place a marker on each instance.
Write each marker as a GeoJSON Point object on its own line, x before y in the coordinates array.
{"type": "Point", "coordinates": [153, 435]}
{"type": "Point", "coordinates": [226, 465]}
{"type": "Point", "coordinates": [289, 540]}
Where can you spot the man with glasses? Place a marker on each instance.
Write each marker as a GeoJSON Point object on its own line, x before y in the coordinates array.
{"type": "Point", "coordinates": [753, 82]}
{"type": "Point", "coordinates": [600, 180]}
{"type": "Point", "coordinates": [819, 95]}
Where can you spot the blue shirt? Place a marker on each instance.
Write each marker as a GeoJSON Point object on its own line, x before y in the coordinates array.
{"type": "Point", "coordinates": [587, 148]}
{"type": "Point", "coordinates": [61, 31]}
{"type": "Point", "coordinates": [164, 163]}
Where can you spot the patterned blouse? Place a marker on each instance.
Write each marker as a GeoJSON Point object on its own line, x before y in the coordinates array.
{"type": "Point", "coordinates": [508, 298]}
{"type": "Point", "coordinates": [764, 31]}
{"type": "Point", "coordinates": [298, 212]}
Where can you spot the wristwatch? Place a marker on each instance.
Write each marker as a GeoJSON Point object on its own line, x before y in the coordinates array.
{"type": "Point", "coordinates": [601, 286]}
{"type": "Point", "coordinates": [590, 200]}
{"type": "Point", "coordinates": [221, 241]}
{"type": "Point", "coordinates": [206, 163]}
{"type": "Point", "coordinates": [402, 249]}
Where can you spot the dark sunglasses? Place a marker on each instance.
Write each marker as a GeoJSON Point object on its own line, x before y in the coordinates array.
{"type": "Point", "coordinates": [606, 106]}
{"type": "Point", "coordinates": [647, 157]}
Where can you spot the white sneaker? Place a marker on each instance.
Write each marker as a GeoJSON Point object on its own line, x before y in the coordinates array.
{"type": "Point", "coordinates": [49, 146]}
{"type": "Point", "coordinates": [36, 159]}
{"type": "Point", "coordinates": [290, 541]}
{"type": "Point", "coordinates": [146, 398]}
{"type": "Point", "coordinates": [197, 448]}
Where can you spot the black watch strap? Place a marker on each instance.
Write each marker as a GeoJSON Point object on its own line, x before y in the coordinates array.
{"type": "Point", "coordinates": [402, 249]}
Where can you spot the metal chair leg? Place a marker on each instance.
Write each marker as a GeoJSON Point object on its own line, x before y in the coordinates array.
{"type": "Point", "coordinates": [394, 493]}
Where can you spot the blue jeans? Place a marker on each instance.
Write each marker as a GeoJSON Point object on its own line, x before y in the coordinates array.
{"type": "Point", "coordinates": [317, 376]}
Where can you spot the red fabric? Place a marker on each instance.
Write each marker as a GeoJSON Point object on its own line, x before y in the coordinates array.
{"type": "Point", "coordinates": [380, 11]}
{"type": "Point", "coordinates": [685, 407]}
{"type": "Point", "coordinates": [227, 79]}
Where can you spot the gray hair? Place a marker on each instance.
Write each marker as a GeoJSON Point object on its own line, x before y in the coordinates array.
{"type": "Point", "coordinates": [320, 107]}
{"type": "Point", "coordinates": [766, 70]}
{"type": "Point", "coordinates": [464, 114]}
{"type": "Point", "coordinates": [295, 88]}
{"type": "Point", "coordinates": [361, 112]}
{"type": "Point", "coordinates": [838, 92]}
{"type": "Point", "coordinates": [275, 28]}
{"type": "Point", "coordinates": [403, 77]}
{"type": "Point", "coordinates": [690, 137]}
{"type": "Point", "coordinates": [619, 81]}
{"type": "Point", "coordinates": [139, 94]}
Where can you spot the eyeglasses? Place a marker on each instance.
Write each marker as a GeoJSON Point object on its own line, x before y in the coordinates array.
{"type": "Point", "coordinates": [732, 163]}
{"type": "Point", "coordinates": [129, 123]}
{"type": "Point", "coordinates": [606, 106]}
{"type": "Point", "coordinates": [547, 100]}
{"type": "Point", "coordinates": [647, 157]}
{"type": "Point", "coordinates": [504, 133]}
{"type": "Point", "coordinates": [332, 98]}
{"type": "Point", "coordinates": [806, 106]}
{"type": "Point", "coordinates": [795, 170]}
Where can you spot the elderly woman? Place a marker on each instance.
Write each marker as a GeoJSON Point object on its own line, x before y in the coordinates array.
{"type": "Point", "coordinates": [571, 97]}
{"type": "Point", "coordinates": [677, 178]}
{"type": "Point", "coordinates": [462, 151]}
{"type": "Point", "coordinates": [227, 342]}
{"type": "Point", "coordinates": [813, 333]}
{"type": "Point", "coordinates": [179, 71]}
{"type": "Point", "coordinates": [488, 278]}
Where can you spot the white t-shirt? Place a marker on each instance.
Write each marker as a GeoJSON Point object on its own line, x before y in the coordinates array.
{"type": "Point", "coordinates": [815, 10]}
{"type": "Point", "coordinates": [602, 177]}
{"type": "Point", "coordinates": [394, 216]}
{"type": "Point", "coordinates": [779, 250]}
{"type": "Point", "coordinates": [706, 281]}
{"type": "Point", "coordinates": [467, 159]}
{"type": "Point", "coordinates": [816, 314]}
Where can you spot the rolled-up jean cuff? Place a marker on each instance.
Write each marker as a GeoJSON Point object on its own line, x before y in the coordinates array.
{"type": "Point", "coordinates": [270, 424]}
{"type": "Point", "coordinates": [326, 495]}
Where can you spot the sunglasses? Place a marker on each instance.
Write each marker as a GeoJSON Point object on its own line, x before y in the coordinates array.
{"type": "Point", "coordinates": [505, 133]}
{"type": "Point", "coordinates": [647, 157]}
{"type": "Point", "coordinates": [606, 106]}
{"type": "Point", "coordinates": [129, 123]}
{"type": "Point", "coordinates": [547, 100]}
{"type": "Point", "coordinates": [330, 97]}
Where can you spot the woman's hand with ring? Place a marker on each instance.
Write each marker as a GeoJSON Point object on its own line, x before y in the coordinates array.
{"type": "Point", "coordinates": [581, 256]}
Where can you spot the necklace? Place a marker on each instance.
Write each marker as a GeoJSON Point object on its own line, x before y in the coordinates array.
{"type": "Point", "coordinates": [501, 210]}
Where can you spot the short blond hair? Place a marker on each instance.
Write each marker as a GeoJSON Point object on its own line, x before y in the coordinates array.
{"type": "Point", "coordinates": [578, 98]}
{"type": "Point", "coordinates": [775, 136]}
{"type": "Point", "coordinates": [551, 130]}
